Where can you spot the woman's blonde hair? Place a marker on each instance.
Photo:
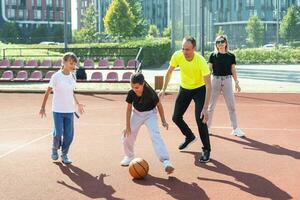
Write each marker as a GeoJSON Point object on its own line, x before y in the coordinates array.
{"type": "Point", "coordinates": [224, 37]}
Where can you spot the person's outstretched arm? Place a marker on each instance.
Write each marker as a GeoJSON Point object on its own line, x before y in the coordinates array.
{"type": "Point", "coordinates": [166, 82]}
{"type": "Point", "coordinates": [235, 78]}
{"type": "Point", "coordinates": [162, 115]}
{"type": "Point", "coordinates": [43, 110]}
{"type": "Point", "coordinates": [127, 130]}
{"type": "Point", "coordinates": [204, 113]}
{"type": "Point", "coordinates": [79, 105]}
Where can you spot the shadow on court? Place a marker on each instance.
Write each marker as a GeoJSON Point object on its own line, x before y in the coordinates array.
{"type": "Point", "coordinates": [174, 187]}
{"type": "Point", "coordinates": [255, 184]}
{"type": "Point", "coordinates": [260, 146]}
{"type": "Point", "coordinates": [90, 186]}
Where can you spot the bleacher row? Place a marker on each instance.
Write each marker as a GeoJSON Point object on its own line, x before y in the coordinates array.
{"type": "Point", "coordinates": [88, 64]}
{"type": "Point", "coordinates": [37, 76]}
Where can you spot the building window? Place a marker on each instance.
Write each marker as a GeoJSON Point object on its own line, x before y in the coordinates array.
{"type": "Point", "coordinates": [49, 2]}
{"type": "Point", "coordinates": [37, 14]}
{"type": "Point", "coordinates": [250, 3]}
{"type": "Point", "coordinates": [33, 2]}
{"type": "Point", "coordinates": [22, 3]}
{"type": "Point", "coordinates": [21, 14]}
{"type": "Point", "coordinates": [25, 14]}
{"type": "Point", "coordinates": [11, 13]}
{"type": "Point", "coordinates": [58, 3]}
{"type": "Point", "coordinates": [39, 3]}
{"type": "Point", "coordinates": [253, 12]}
{"type": "Point", "coordinates": [13, 2]}
{"type": "Point", "coordinates": [6, 2]}
{"type": "Point", "coordinates": [51, 15]}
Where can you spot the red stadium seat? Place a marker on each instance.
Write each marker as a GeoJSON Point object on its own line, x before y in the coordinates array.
{"type": "Point", "coordinates": [31, 64]}
{"type": "Point", "coordinates": [103, 64]}
{"type": "Point", "coordinates": [132, 64]}
{"type": "Point", "coordinates": [36, 76]}
{"type": "Point", "coordinates": [17, 64]}
{"type": "Point", "coordinates": [126, 77]}
{"type": "Point", "coordinates": [119, 64]}
{"type": "Point", "coordinates": [4, 64]}
{"type": "Point", "coordinates": [88, 64]}
{"type": "Point", "coordinates": [112, 77]}
{"type": "Point", "coordinates": [96, 76]}
{"type": "Point", "coordinates": [48, 75]}
{"type": "Point", "coordinates": [7, 76]}
{"type": "Point", "coordinates": [21, 76]}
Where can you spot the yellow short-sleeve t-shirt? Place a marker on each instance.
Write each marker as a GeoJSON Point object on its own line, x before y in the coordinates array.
{"type": "Point", "coordinates": [191, 72]}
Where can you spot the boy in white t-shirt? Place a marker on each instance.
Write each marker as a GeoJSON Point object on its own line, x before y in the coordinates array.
{"type": "Point", "coordinates": [62, 83]}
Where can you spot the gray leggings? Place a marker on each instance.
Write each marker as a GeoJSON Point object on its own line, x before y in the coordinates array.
{"type": "Point", "coordinates": [222, 84]}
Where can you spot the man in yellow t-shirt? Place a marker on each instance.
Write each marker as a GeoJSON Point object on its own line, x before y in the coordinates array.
{"type": "Point", "coordinates": [195, 85]}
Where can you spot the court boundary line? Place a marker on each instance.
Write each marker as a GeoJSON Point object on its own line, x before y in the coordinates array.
{"type": "Point", "coordinates": [216, 127]}
{"type": "Point", "coordinates": [24, 145]}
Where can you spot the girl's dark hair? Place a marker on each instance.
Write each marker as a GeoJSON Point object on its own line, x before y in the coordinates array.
{"type": "Point", "coordinates": [137, 78]}
{"type": "Point", "coordinates": [148, 94]}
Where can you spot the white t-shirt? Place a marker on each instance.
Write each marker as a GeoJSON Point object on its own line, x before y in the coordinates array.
{"type": "Point", "coordinates": [63, 90]}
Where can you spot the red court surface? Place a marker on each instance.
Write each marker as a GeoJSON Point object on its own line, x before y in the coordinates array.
{"type": "Point", "coordinates": [263, 165]}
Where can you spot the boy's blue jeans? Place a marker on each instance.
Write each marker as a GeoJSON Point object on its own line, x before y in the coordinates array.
{"type": "Point", "coordinates": [63, 132]}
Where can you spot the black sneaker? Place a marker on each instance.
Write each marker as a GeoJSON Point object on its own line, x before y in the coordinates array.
{"type": "Point", "coordinates": [205, 156]}
{"type": "Point", "coordinates": [187, 142]}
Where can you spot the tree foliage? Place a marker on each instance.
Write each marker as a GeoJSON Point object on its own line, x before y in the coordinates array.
{"type": "Point", "coordinates": [119, 20]}
{"type": "Point", "coordinates": [220, 31]}
{"type": "Point", "coordinates": [10, 33]}
{"type": "Point", "coordinates": [290, 25]}
{"type": "Point", "coordinates": [167, 32]}
{"type": "Point", "coordinates": [255, 31]}
{"type": "Point", "coordinates": [89, 23]}
{"type": "Point", "coordinates": [141, 24]}
{"type": "Point", "coordinates": [153, 31]}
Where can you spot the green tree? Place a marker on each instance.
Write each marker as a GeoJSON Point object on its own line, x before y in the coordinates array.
{"type": "Point", "coordinates": [119, 20]}
{"type": "Point", "coordinates": [141, 24]}
{"type": "Point", "coordinates": [290, 25]}
{"type": "Point", "coordinates": [167, 32]}
{"type": "Point", "coordinates": [76, 37]}
{"type": "Point", "coordinates": [220, 31]}
{"type": "Point", "coordinates": [10, 33]}
{"type": "Point", "coordinates": [255, 31]}
{"type": "Point", "coordinates": [58, 33]}
{"type": "Point", "coordinates": [153, 31]}
{"type": "Point", "coordinates": [39, 34]}
{"type": "Point", "coordinates": [89, 24]}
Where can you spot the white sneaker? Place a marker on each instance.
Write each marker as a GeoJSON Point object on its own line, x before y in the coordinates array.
{"type": "Point", "coordinates": [168, 166]}
{"type": "Point", "coordinates": [126, 160]}
{"type": "Point", "coordinates": [238, 132]}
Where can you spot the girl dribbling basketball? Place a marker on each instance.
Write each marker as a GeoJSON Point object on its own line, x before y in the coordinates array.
{"type": "Point", "coordinates": [145, 102]}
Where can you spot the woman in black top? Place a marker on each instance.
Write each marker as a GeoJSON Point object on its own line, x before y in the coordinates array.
{"type": "Point", "coordinates": [222, 65]}
{"type": "Point", "coordinates": [144, 101]}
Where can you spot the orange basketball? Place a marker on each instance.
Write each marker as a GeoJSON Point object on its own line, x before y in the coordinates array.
{"type": "Point", "coordinates": [138, 168]}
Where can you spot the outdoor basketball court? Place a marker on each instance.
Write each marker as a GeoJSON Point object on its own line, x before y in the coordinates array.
{"type": "Point", "coordinates": [263, 165]}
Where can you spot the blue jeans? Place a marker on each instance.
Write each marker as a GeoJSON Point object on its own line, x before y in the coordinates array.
{"type": "Point", "coordinates": [63, 132]}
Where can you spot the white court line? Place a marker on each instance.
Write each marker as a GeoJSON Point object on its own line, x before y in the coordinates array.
{"type": "Point", "coordinates": [215, 127]}
{"type": "Point", "coordinates": [117, 124]}
{"type": "Point", "coordinates": [24, 145]}
{"type": "Point", "coordinates": [22, 129]}
{"type": "Point", "coordinates": [261, 129]}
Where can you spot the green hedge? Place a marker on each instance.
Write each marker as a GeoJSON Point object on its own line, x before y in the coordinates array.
{"type": "Point", "coordinates": [282, 55]}
{"type": "Point", "coordinates": [155, 51]}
